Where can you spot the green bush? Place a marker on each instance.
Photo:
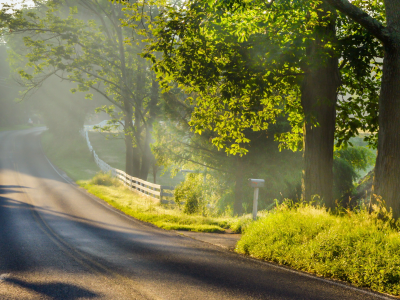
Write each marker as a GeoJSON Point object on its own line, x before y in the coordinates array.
{"type": "Point", "coordinates": [105, 179]}
{"type": "Point", "coordinates": [189, 192]}
{"type": "Point", "coordinates": [357, 247]}
{"type": "Point", "coordinates": [200, 194]}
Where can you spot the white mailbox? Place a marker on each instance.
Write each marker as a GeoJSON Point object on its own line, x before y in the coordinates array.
{"type": "Point", "coordinates": [256, 184]}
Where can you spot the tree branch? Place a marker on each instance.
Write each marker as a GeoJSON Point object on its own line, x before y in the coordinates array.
{"type": "Point", "coordinates": [92, 87]}
{"type": "Point", "coordinates": [191, 160]}
{"type": "Point", "coordinates": [355, 13]}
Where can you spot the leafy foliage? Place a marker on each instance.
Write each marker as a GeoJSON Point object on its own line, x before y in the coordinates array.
{"type": "Point", "coordinates": [190, 193]}
{"type": "Point", "coordinates": [346, 166]}
{"type": "Point", "coordinates": [243, 64]}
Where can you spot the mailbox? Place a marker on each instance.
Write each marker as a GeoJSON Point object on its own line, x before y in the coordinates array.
{"type": "Point", "coordinates": [256, 183]}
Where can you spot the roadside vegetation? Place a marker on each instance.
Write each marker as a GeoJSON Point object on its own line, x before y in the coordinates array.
{"type": "Point", "coordinates": [166, 216]}
{"type": "Point", "coordinates": [353, 246]}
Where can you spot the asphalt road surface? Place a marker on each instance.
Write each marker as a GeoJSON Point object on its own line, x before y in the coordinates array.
{"type": "Point", "coordinates": [58, 242]}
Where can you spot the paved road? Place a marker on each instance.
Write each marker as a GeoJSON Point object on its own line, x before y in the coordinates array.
{"type": "Point", "coordinates": [58, 242]}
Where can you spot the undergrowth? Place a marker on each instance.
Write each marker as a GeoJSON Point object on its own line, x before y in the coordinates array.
{"type": "Point", "coordinates": [357, 247]}
{"type": "Point", "coordinates": [105, 179]}
{"type": "Point", "coordinates": [150, 210]}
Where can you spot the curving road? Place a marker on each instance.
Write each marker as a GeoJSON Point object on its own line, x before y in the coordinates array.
{"type": "Point", "coordinates": [58, 242]}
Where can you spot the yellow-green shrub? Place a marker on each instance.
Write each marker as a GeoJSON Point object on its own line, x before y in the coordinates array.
{"type": "Point", "coordinates": [359, 248]}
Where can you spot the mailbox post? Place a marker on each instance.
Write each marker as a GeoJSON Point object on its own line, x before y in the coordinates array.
{"type": "Point", "coordinates": [256, 184]}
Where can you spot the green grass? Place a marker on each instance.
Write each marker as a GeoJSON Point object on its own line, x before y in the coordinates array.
{"type": "Point", "coordinates": [150, 210]}
{"type": "Point", "coordinates": [358, 248]}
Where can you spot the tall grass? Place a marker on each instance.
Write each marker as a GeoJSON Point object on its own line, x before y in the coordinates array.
{"type": "Point", "coordinates": [356, 247]}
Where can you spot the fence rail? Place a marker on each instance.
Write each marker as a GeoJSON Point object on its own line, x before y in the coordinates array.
{"type": "Point", "coordinates": [141, 186]}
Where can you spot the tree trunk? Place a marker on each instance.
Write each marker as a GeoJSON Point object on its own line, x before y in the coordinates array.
{"type": "Point", "coordinates": [155, 169]}
{"type": "Point", "coordinates": [318, 98]}
{"type": "Point", "coordinates": [387, 170]}
{"type": "Point", "coordinates": [137, 153]}
{"type": "Point", "coordinates": [129, 162]}
{"type": "Point", "coordinates": [147, 156]}
{"type": "Point", "coordinates": [131, 166]}
{"type": "Point", "coordinates": [237, 205]}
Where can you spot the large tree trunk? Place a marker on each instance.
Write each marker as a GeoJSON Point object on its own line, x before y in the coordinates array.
{"type": "Point", "coordinates": [319, 96]}
{"type": "Point", "coordinates": [387, 170]}
{"type": "Point", "coordinates": [131, 163]}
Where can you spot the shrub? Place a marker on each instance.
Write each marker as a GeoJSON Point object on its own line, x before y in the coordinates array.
{"type": "Point", "coordinates": [105, 179]}
{"type": "Point", "coordinates": [361, 248]}
{"type": "Point", "coordinates": [199, 194]}
{"type": "Point", "coordinates": [189, 192]}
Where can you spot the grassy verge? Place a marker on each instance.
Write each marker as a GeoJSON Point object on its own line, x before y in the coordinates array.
{"type": "Point", "coordinates": [358, 248]}
{"type": "Point", "coordinates": [149, 210]}
{"type": "Point", "coordinates": [74, 159]}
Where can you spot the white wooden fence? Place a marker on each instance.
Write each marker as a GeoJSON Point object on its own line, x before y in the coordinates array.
{"type": "Point", "coordinates": [161, 192]}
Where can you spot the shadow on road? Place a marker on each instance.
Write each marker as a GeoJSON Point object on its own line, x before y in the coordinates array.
{"type": "Point", "coordinates": [155, 255]}
{"type": "Point", "coordinates": [55, 290]}
{"type": "Point", "coordinates": [34, 237]}
{"type": "Point", "coordinates": [11, 189]}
